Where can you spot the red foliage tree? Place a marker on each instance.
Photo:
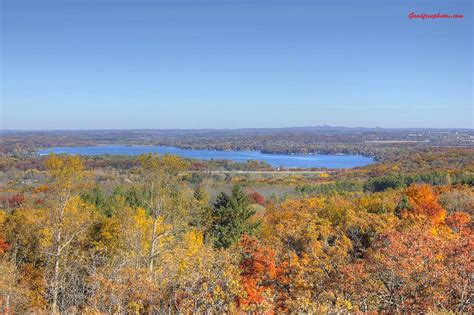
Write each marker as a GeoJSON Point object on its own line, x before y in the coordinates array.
{"type": "Point", "coordinates": [13, 201]}
{"type": "Point", "coordinates": [256, 198]}
{"type": "Point", "coordinates": [4, 246]}
{"type": "Point", "coordinates": [458, 221]}
{"type": "Point", "coordinates": [258, 271]}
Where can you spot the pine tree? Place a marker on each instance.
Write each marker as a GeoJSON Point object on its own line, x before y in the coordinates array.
{"type": "Point", "coordinates": [404, 204]}
{"type": "Point", "coordinates": [231, 218]}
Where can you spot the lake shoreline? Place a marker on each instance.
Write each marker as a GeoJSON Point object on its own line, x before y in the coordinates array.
{"type": "Point", "coordinates": [306, 161]}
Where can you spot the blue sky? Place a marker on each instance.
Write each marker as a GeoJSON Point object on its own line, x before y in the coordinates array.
{"type": "Point", "coordinates": [229, 64]}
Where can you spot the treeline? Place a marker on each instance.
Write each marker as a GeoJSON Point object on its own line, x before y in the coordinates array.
{"type": "Point", "coordinates": [433, 178]}
{"type": "Point", "coordinates": [382, 183]}
{"type": "Point", "coordinates": [328, 140]}
{"type": "Point", "coordinates": [340, 186]}
{"type": "Point", "coordinates": [161, 245]}
{"type": "Point", "coordinates": [125, 163]}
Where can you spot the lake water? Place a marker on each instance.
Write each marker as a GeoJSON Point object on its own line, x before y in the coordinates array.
{"type": "Point", "coordinates": [276, 160]}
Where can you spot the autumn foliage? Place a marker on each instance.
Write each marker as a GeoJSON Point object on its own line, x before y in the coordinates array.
{"type": "Point", "coordinates": [256, 198]}
{"type": "Point", "coordinates": [257, 276]}
{"type": "Point", "coordinates": [13, 201]}
{"type": "Point", "coordinates": [412, 271]}
{"type": "Point", "coordinates": [3, 245]}
{"type": "Point", "coordinates": [164, 243]}
{"type": "Point", "coordinates": [423, 202]}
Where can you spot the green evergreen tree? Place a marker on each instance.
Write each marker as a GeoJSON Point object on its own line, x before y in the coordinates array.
{"type": "Point", "coordinates": [200, 210]}
{"type": "Point", "coordinates": [404, 204]}
{"type": "Point", "coordinates": [231, 218]}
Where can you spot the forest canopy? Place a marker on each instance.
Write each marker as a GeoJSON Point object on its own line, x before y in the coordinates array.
{"type": "Point", "coordinates": [77, 237]}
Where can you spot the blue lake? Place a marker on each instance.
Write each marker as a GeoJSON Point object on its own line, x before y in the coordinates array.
{"type": "Point", "coordinates": [276, 160]}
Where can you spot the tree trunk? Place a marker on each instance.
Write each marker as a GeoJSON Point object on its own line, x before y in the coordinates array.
{"type": "Point", "coordinates": [7, 305]}
{"type": "Point", "coordinates": [151, 257]}
{"type": "Point", "coordinates": [54, 306]}
{"type": "Point", "coordinates": [57, 255]}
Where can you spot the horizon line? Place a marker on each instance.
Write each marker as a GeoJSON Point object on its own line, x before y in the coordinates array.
{"type": "Point", "coordinates": [235, 129]}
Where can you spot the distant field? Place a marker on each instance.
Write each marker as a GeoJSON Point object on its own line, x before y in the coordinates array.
{"type": "Point", "coordinates": [397, 141]}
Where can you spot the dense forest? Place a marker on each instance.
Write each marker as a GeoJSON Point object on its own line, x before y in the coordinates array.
{"type": "Point", "coordinates": [161, 234]}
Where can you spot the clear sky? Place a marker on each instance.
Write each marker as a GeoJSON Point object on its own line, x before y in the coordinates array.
{"type": "Point", "coordinates": [100, 64]}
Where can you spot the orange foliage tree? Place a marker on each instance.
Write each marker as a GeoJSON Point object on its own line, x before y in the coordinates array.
{"type": "Point", "coordinates": [422, 201]}
{"type": "Point", "coordinates": [258, 272]}
{"type": "Point", "coordinates": [412, 271]}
